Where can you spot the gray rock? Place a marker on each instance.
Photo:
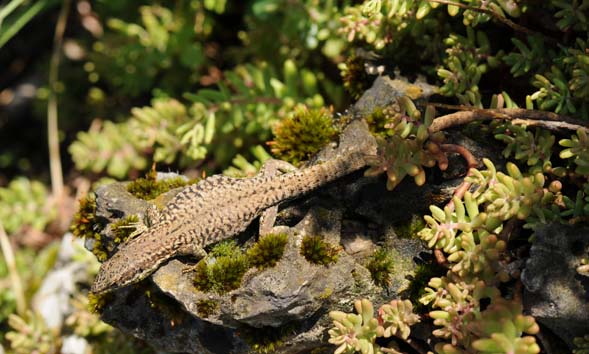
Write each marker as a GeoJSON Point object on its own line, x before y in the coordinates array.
{"type": "Point", "coordinates": [555, 294]}
{"type": "Point", "coordinates": [385, 91]}
{"type": "Point", "coordinates": [289, 303]}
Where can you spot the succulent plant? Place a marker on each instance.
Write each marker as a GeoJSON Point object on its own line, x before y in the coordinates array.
{"type": "Point", "coordinates": [29, 334]}
{"type": "Point", "coordinates": [396, 318]}
{"type": "Point", "coordinates": [355, 332]}
{"type": "Point", "coordinates": [501, 327]}
{"type": "Point", "coordinates": [25, 203]}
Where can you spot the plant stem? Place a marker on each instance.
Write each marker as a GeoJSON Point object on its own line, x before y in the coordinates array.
{"type": "Point", "coordinates": [52, 127]}
{"type": "Point", "coordinates": [16, 283]}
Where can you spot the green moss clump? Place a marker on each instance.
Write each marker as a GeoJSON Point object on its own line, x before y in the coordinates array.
{"type": "Point", "coordinates": [96, 302]}
{"type": "Point", "coordinates": [123, 228]}
{"type": "Point", "coordinates": [317, 251]}
{"type": "Point", "coordinates": [267, 251]}
{"type": "Point", "coordinates": [201, 278]}
{"type": "Point", "coordinates": [381, 265]}
{"type": "Point", "coordinates": [149, 188]}
{"type": "Point", "coordinates": [303, 134]}
{"type": "Point", "coordinates": [226, 248]}
{"type": "Point", "coordinates": [85, 225]}
{"type": "Point", "coordinates": [84, 222]}
{"type": "Point", "coordinates": [222, 270]}
{"type": "Point", "coordinates": [205, 308]}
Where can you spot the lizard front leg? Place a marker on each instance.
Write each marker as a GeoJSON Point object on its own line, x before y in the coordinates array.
{"type": "Point", "coordinates": [272, 168]}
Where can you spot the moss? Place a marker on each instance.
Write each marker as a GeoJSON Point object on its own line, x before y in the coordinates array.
{"type": "Point", "coordinates": [201, 278]}
{"type": "Point", "coordinates": [226, 248]}
{"type": "Point", "coordinates": [123, 228]}
{"type": "Point", "coordinates": [303, 134]}
{"type": "Point", "coordinates": [149, 188]}
{"type": "Point", "coordinates": [317, 251]}
{"type": "Point", "coordinates": [267, 251]}
{"type": "Point", "coordinates": [84, 223]}
{"type": "Point", "coordinates": [206, 307]}
{"type": "Point", "coordinates": [266, 340]}
{"type": "Point", "coordinates": [222, 270]}
{"type": "Point", "coordinates": [409, 229]}
{"type": "Point", "coordinates": [381, 266]}
{"type": "Point", "coordinates": [96, 302]}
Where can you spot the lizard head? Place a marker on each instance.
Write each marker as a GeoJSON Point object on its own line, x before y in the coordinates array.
{"type": "Point", "coordinates": [117, 272]}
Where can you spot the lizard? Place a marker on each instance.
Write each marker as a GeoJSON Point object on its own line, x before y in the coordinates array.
{"type": "Point", "coordinates": [215, 209]}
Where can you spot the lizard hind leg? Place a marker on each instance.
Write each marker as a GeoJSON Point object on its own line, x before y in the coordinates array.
{"type": "Point", "coordinates": [270, 168]}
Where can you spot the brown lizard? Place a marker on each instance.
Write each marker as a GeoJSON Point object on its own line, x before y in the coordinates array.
{"type": "Point", "coordinates": [212, 210]}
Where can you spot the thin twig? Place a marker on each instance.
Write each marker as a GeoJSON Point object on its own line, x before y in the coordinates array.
{"type": "Point", "coordinates": [52, 126]}
{"type": "Point", "coordinates": [520, 116]}
{"type": "Point", "coordinates": [494, 14]}
{"type": "Point", "coordinates": [15, 280]}
{"type": "Point", "coordinates": [471, 163]}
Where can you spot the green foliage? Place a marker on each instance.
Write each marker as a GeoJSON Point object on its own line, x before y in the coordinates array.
{"type": "Point", "coordinates": [302, 134]}
{"type": "Point", "coordinates": [468, 59]}
{"type": "Point", "coordinates": [15, 14]}
{"type": "Point", "coordinates": [25, 203]}
{"type": "Point", "coordinates": [532, 147]}
{"type": "Point", "coordinates": [222, 270]}
{"type": "Point", "coordinates": [123, 228]}
{"type": "Point", "coordinates": [354, 75]}
{"type": "Point", "coordinates": [577, 147]}
{"type": "Point", "coordinates": [318, 251]}
{"type": "Point", "coordinates": [581, 344]}
{"type": "Point", "coordinates": [396, 318]}
{"type": "Point", "coordinates": [150, 187]}
{"type": "Point", "coordinates": [527, 57]}
{"type": "Point", "coordinates": [31, 335]}
{"type": "Point", "coordinates": [107, 148]}
{"type": "Point", "coordinates": [467, 232]}
{"type": "Point", "coordinates": [407, 149]}
{"type": "Point", "coordinates": [160, 48]}
{"type": "Point", "coordinates": [381, 265]}
{"type": "Point", "coordinates": [267, 251]}
{"type": "Point", "coordinates": [243, 168]}
{"type": "Point", "coordinates": [354, 333]}
{"type": "Point", "coordinates": [501, 327]}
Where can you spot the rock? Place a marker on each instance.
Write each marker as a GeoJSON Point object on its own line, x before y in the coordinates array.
{"type": "Point", "coordinates": [284, 307]}
{"type": "Point", "coordinates": [52, 299]}
{"type": "Point", "coordinates": [555, 294]}
{"type": "Point", "coordinates": [385, 91]}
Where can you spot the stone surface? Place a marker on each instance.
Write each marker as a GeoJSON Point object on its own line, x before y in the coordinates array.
{"type": "Point", "coordinates": [555, 294]}
{"type": "Point", "coordinates": [287, 304]}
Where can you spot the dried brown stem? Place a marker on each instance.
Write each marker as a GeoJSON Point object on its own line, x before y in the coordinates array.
{"type": "Point", "coordinates": [471, 162]}
{"type": "Point", "coordinates": [520, 116]}
{"type": "Point", "coordinates": [52, 126]}
{"type": "Point", "coordinates": [15, 280]}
